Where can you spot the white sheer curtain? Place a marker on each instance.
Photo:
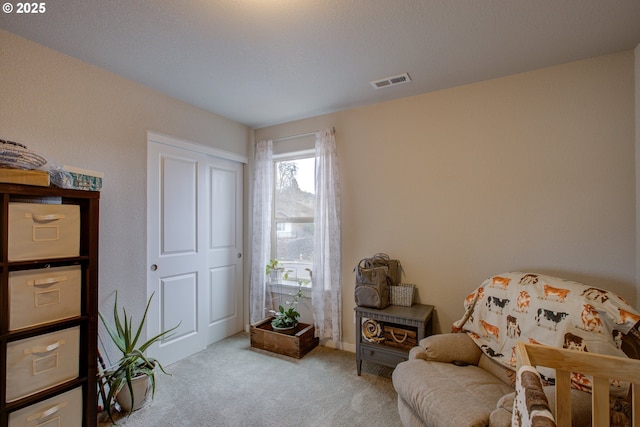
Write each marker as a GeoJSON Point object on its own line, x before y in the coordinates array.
{"type": "Point", "coordinates": [261, 219]}
{"type": "Point", "coordinates": [327, 287]}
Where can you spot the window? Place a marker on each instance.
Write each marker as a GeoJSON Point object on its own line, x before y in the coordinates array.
{"type": "Point", "coordinates": [293, 214]}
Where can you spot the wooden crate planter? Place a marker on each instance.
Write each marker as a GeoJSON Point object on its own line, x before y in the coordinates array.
{"type": "Point", "coordinates": [297, 345]}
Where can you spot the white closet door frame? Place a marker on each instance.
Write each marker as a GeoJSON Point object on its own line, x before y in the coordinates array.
{"type": "Point", "coordinates": [191, 288]}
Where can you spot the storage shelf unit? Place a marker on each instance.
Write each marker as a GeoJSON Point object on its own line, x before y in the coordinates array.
{"type": "Point", "coordinates": [79, 390]}
{"type": "Point", "coordinates": [417, 317]}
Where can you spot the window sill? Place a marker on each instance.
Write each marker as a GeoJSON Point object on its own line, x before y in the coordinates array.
{"type": "Point", "coordinates": [290, 288]}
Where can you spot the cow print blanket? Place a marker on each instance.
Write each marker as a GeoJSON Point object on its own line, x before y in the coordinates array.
{"type": "Point", "coordinates": [536, 308]}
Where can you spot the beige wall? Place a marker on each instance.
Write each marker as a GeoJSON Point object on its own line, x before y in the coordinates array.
{"type": "Point", "coordinates": [529, 172]}
{"type": "Point", "coordinates": [77, 114]}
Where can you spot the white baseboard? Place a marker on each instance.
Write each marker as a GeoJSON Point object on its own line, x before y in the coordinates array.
{"type": "Point", "coordinates": [341, 345]}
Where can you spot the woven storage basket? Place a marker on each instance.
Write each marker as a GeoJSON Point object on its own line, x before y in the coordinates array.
{"type": "Point", "coordinates": [18, 156]}
{"type": "Point", "coordinates": [402, 294]}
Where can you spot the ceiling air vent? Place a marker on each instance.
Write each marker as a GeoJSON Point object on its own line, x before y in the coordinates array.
{"type": "Point", "coordinates": [391, 81]}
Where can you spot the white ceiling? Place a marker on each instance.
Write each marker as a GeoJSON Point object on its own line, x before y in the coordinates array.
{"type": "Point", "coordinates": [263, 62]}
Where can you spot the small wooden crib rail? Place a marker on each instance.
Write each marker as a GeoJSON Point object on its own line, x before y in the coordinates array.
{"type": "Point", "coordinates": [600, 367]}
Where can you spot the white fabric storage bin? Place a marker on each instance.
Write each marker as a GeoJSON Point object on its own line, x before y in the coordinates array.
{"type": "Point", "coordinates": [39, 231]}
{"type": "Point", "coordinates": [63, 410]}
{"type": "Point", "coordinates": [34, 364]}
{"type": "Point", "coordinates": [43, 295]}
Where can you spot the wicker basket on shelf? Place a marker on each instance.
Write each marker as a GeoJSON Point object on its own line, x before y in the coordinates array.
{"type": "Point", "coordinates": [17, 156]}
{"type": "Point", "coordinates": [402, 294]}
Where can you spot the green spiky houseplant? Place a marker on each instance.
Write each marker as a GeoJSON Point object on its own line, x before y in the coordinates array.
{"type": "Point", "coordinates": [133, 362]}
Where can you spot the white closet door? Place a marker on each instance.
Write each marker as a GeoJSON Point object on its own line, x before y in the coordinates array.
{"type": "Point", "coordinates": [225, 249]}
{"type": "Point", "coordinates": [194, 260]}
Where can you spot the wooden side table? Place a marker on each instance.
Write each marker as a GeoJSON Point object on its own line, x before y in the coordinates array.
{"type": "Point", "coordinates": [416, 318]}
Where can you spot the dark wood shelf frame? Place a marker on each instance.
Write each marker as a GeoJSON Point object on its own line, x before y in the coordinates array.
{"type": "Point", "coordinates": [88, 201]}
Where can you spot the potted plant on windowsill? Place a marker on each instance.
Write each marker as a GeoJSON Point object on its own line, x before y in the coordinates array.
{"type": "Point", "coordinates": [132, 378]}
{"type": "Point", "coordinates": [275, 272]}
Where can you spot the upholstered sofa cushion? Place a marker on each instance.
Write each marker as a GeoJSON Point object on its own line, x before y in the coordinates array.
{"type": "Point", "coordinates": [443, 394]}
{"type": "Point", "coordinates": [447, 348]}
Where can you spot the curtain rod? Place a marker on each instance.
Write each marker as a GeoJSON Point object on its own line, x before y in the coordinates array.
{"type": "Point", "coordinates": [301, 135]}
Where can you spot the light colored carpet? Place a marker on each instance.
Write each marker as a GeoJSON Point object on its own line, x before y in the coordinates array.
{"type": "Point", "coordinates": [232, 384]}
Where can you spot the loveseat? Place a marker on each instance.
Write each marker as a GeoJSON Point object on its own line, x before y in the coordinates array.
{"type": "Point", "coordinates": [467, 377]}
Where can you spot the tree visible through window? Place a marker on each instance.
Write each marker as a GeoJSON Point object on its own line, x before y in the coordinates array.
{"type": "Point", "coordinates": [293, 215]}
